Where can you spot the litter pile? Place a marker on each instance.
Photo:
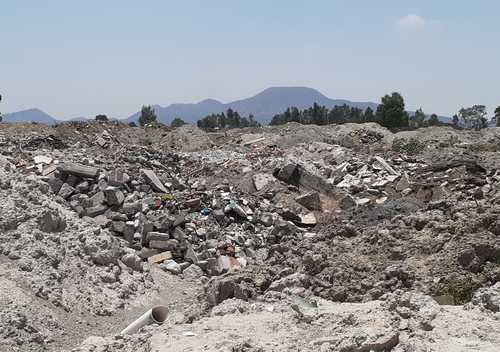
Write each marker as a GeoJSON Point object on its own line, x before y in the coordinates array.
{"type": "Point", "coordinates": [282, 224]}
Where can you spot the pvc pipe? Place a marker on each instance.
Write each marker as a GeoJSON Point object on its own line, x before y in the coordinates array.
{"type": "Point", "coordinates": [155, 315]}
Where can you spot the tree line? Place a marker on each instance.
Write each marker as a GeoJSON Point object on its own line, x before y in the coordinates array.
{"type": "Point", "coordinates": [230, 119]}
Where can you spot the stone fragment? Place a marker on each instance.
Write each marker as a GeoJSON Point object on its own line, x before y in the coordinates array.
{"type": "Point", "coordinates": [78, 170]}
{"type": "Point", "coordinates": [310, 200]}
{"type": "Point", "coordinates": [153, 180]}
{"type": "Point", "coordinates": [308, 219]}
{"type": "Point", "coordinates": [260, 181]}
{"type": "Point", "coordinates": [65, 191]}
{"type": "Point", "coordinates": [160, 257]}
{"type": "Point", "coordinates": [169, 245]}
{"type": "Point", "coordinates": [114, 196]}
{"type": "Point", "coordinates": [157, 236]}
{"type": "Point", "coordinates": [171, 266]}
{"type": "Point", "coordinates": [386, 166]}
{"type": "Point", "coordinates": [97, 210]}
{"type": "Point", "coordinates": [42, 159]}
{"type": "Point", "coordinates": [133, 261]}
{"type": "Point", "coordinates": [96, 199]}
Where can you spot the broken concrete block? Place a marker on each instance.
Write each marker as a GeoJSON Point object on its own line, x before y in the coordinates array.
{"type": "Point", "coordinates": [65, 191]}
{"type": "Point", "coordinates": [157, 236]}
{"type": "Point", "coordinates": [42, 159]}
{"type": "Point", "coordinates": [169, 245]}
{"type": "Point", "coordinates": [171, 266]}
{"type": "Point", "coordinates": [310, 200]}
{"type": "Point", "coordinates": [308, 219]}
{"type": "Point", "coordinates": [260, 181]}
{"type": "Point", "coordinates": [96, 199]}
{"type": "Point", "coordinates": [386, 166]}
{"type": "Point", "coordinates": [97, 210]}
{"type": "Point", "coordinates": [153, 180]}
{"type": "Point", "coordinates": [160, 257]}
{"type": "Point", "coordinates": [78, 170]}
{"type": "Point", "coordinates": [114, 196]}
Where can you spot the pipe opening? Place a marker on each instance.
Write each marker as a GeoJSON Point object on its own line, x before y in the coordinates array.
{"type": "Point", "coordinates": [159, 314]}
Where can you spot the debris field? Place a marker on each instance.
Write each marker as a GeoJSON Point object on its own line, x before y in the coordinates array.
{"type": "Point", "coordinates": [292, 238]}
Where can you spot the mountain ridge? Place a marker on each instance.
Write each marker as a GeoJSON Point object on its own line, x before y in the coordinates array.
{"type": "Point", "coordinates": [263, 105]}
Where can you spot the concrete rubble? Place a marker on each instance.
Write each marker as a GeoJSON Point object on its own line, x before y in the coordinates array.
{"type": "Point", "coordinates": [329, 233]}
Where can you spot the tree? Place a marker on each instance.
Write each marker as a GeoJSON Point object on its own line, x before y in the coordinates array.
{"type": "Point", "coordinates": [433, 120]}
{"type": "Point", "coordinates": [177, 122]}
{"type": "Point", "coordinates": [148, 115]}
{"type": "Point", "coordinates": [417, 120]}
{"type": "Point", "coordinates": [101, 118]}
{"type": "Point", "coordinates": [497, 116]}
{"type": "Point", "coordinates": [455, 120]}
{"type": "Point", "coordinates": [369, 115]}
{"type": "Point", "coordinates": [391, 112]}
{"type": "Point", "coordinates": [474, 117]}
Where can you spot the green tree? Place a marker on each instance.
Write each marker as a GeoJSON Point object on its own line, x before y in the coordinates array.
{"type": "Point", "coordinates": [455, 120]}
{"type": "Point", "coordinates": [101, 118]}
{"type": "Point", "coordinates": [391, 112]}
{"type": "Point", "coordinates": [433, 120]}
{"type": "Point", "coordinates": [497, 116]}
{"type": "Point", "coordinates": [147, 116]}
{"type": "Point", "coordinates": [369, 115]}
{"type": "Point", "coordinates": [177, 122]}
{"type": "Point", "coordinates": [474, 117]}
{"type": "Point", "coordinates": [417, 120]}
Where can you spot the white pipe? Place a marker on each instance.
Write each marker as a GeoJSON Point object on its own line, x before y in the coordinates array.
{"type": "Point", "coordinates": [156, 315]}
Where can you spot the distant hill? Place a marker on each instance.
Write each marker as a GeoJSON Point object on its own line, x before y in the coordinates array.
{"type": "Point", "coordinates": [263, 106]}
{"type": "Point", "coordinates": [30, 115]}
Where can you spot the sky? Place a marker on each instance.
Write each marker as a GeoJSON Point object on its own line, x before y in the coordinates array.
{"type": "Point", "coordinates": [82, 58]}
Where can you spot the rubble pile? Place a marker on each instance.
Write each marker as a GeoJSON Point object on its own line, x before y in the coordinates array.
{"type": "Point", "coordinates": [98, 216]}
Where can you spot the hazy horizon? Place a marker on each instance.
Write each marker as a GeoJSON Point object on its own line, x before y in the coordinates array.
{"type": "Point", "coordinates": [82, 59]}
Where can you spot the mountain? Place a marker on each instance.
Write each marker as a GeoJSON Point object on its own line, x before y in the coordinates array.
{"type": "Point", "coordinates": [263, 106]}
{"type": "Point", "coordinates": [30, 115]}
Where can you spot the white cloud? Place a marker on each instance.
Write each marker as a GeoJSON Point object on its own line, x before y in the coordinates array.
{"type": "Point", "coordinates": [411, 22]}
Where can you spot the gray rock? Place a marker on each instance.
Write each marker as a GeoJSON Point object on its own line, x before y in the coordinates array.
{"type": "Point", "coordinates": [66, 191]}
{"type": "Point", "coordinates": [78, 170]}
{"type": "Point", "coordinates": [97, 210]}
{"type": "Point", "coordinates": [133, 261]}
{"type": "Point", "coordinates": [114, 196]}
{"type": "Point", "coordinates": [310, 200]}
{"type": "Point", "coordinates": [171, 266]}
{"type": "Point", "coordinates": [153, 180]}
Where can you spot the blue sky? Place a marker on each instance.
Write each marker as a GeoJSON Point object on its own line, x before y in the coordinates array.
{"type": "Point", "coordinates": [81, 58]}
